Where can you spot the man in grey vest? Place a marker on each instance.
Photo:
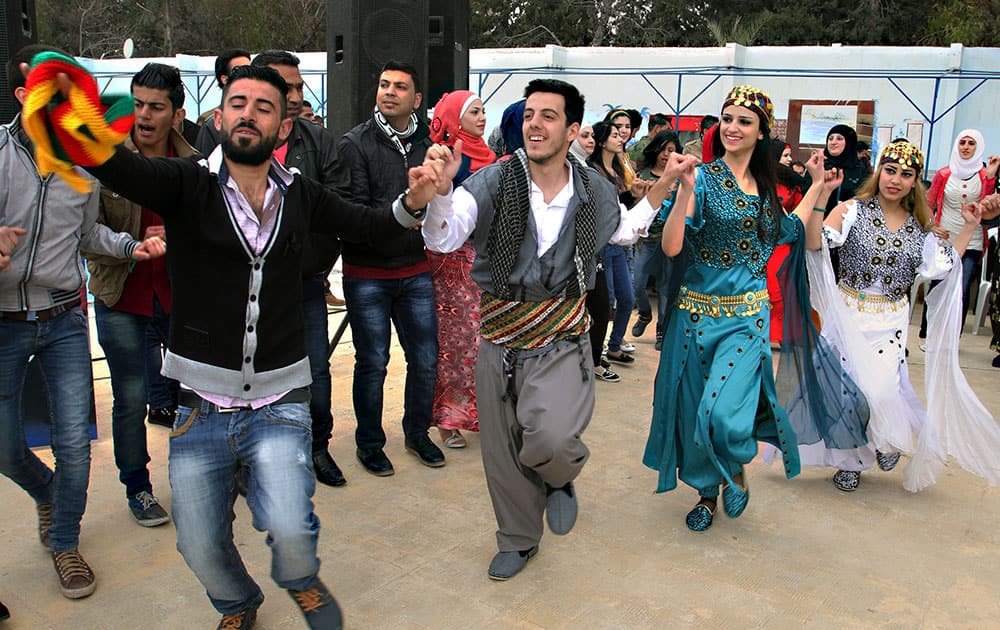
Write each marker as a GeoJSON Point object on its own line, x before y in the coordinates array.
{"type": "Point", "coordinates": [538, 221]}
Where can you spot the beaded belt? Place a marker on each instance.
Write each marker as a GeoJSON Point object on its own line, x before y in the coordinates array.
{"type": "Point", "coordinates": [531, 325]}
{"type": "Point", "coordinates": [742, 305]}
{"type": "Point", "coordinates": [873, 302]}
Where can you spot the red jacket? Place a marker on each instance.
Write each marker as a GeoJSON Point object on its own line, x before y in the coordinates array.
{"type": "Point", "coordinates": [936, 194]}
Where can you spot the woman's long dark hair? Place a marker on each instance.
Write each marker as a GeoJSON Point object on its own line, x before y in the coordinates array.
{"type": "Point", "coordinates": [785, 175]}
{"type": "Point", "coordinates": [655, 146]}
{"type": "Point", "coordinates": [762, 169]}
{"type": "Point", "coordinates": [602, 131]}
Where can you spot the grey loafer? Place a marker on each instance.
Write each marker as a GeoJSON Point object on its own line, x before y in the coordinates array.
{"type": "Point", "coordinates": [507, 564]}
{"type": "Point", "coordinates": [561, 509]}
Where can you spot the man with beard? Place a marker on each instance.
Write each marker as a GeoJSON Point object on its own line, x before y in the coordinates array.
{"type": "Point", "coordinates": [312, 151]}
{"type": "Point", "coordinates": [542, 218]}
{"type": "Point", "coordinates": [236, 225]}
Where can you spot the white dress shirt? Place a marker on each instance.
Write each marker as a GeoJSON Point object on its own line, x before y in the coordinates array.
{"type": "Point", "coordinates": [451, 219]}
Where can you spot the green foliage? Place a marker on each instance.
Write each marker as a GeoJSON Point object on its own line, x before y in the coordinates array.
{"type": "Point", "coordinates": [97, 28]}
{"type": "Point", "coordinates": [972, 22]}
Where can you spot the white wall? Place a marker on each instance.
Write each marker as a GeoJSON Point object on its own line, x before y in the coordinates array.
{"type": "Point", "coordinates": [615, 76]}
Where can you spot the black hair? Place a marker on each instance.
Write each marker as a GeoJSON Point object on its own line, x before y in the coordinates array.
{"type": "Point", "coordinates": [400, 66]}
{"type": "Point", "coordinates": [307, 104]}
{"type": "Point", "coordinates": [259, 73]}
{"type": "Point", "coordinates": [863, 146]}
{"type": "Point", "coordinates": [785, 175]}
{"type": "Point", "coordinates": [707, 122]}
{"type": "Point", "coordinates": [634, 119]}
{"type": "Point", "coordinates": [762, 169]}
{"type": "Point", "coordinates": [656, 145]}
{"type": "Point", "coordinates": [275, 58]}
{"type": "Point", "coordinates": [25, 55]}
{"type": "Point", "coordinates": [160, 76]}
{"type": "Point", "coordinates": [224, 59]}
{"type": "Point", "coordinates": [798, 163]}
{"type": "Point", "coordinates": [602, 131]}
{"type": "Point", "coordinates": [571, 95]}
{"type": "Point", "coordinates": [656, 120]}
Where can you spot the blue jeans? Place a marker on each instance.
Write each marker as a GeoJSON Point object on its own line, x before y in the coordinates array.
{"type": "Point", "coordinates": [276, 443]}
{"type": "Point", "coordinates": [125, 337]}
{"type": "Point", "coordinates": [317, 334]}
{"type": "Point", "coordinates": [62, 348]}
{"type": "Point", "coordinates": [620, 290]}
{"type": "Point", "coordinates": [409, 304]}
{"type": "Point", "coordinates": [649, 262]}
{"type": "Point", "coordinates": [161, 392]}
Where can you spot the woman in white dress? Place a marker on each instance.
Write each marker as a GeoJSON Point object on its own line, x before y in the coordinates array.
{"type": "Point", "coordinates": [885, 239]}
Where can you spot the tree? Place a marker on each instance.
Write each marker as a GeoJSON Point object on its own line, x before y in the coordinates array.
{"type": "Point", "coordinates": [972, 22]}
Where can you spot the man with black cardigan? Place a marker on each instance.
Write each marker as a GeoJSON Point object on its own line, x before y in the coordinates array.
{"type": "Point", "coordinates": [312, 150]}
{"type": "Point", "coordinates": [236, 229]}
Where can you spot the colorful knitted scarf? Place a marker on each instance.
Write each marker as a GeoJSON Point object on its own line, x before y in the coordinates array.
{"type": "Point", "coordinates": [83, 129]}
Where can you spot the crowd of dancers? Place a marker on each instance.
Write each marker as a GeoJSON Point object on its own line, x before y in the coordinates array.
{"type": "Point", "coordinates": [510, 269]}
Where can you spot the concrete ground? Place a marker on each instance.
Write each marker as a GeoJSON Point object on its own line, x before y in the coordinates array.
{"type": "Point", "coordinates": [411, 551]}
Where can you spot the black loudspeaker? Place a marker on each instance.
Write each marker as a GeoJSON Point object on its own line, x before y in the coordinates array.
{"type": "Point", "coordinates": [447, 49]}
{"type": "Point", "coordinates": [361, 36]}
{"type": "Point", "coordinates": [17, 29]}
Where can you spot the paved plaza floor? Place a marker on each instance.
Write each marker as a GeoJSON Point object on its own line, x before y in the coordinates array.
{"type": "Point", "coordinates": [411, 551]}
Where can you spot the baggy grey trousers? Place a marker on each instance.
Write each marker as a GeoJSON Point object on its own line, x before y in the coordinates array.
{"type": "Point", "coordinates": [532, 439]}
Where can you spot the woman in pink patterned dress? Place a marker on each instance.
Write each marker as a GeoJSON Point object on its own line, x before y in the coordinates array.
{"type": "Point", "coordinates": [458, 115]}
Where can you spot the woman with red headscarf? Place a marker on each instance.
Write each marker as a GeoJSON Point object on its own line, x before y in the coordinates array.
{"type": "Point", "coordinates": [459, 115]}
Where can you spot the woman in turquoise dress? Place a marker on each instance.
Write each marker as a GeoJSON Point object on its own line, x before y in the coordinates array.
{"type": "Point", "coordinates": [715, 394]}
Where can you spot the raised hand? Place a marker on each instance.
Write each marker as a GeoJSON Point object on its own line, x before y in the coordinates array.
{"type": "Point", "coordinates": [151, 248]}
{"type": "Point", "coordinates": [677, 165]}
{"type": "Point", "coordinates": [156, 230]}
{"type": "Point", "coordinates": [832, 179]}
{"type": "Point", "coordinates": [972, 213]}
{"type": "Point", "coordinates": [639, 187]}
{"type": "Point", "coordinates": [814, 165]}
{"type": "Point", "coordinates": [423, 183]}
{"type": "Point", "coordinates": [990, 205]}
{"type": "Point", "coordinates": [447, 162]}
{"type": "Point", "coordinates": [992, 165]}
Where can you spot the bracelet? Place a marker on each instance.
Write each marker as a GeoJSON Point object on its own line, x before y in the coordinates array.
{"type": "Point", "coordinates": [818, 209]}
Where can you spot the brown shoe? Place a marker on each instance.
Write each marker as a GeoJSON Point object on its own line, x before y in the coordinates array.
{"type": "Point", "coordinates": [333, 300]}
{"type": "Point", "coordinates": [76, 579]}
{"type": "Point", "coordinates": [242, 620]}
{"type": "Point", "coordinates": [44, 523]}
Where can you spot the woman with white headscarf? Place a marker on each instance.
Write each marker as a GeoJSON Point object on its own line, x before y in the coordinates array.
{"type": "Point", "coordinates": [583, 144]}
{"type": "Point", "coordinates": [964, 180]}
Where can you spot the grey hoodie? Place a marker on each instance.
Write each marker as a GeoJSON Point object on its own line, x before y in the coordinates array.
{"type": "Point", "coordinates": [45, 268]}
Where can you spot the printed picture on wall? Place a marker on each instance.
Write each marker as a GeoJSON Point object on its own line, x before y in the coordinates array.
{"type": "Point", "coordinates": [817, 119]}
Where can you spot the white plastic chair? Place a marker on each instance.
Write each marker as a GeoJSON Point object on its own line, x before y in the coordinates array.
{"type": "Point", "coordinates": [984, 286]}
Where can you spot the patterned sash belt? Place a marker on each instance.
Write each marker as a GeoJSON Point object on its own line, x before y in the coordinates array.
{"type": "Point", "coordinates": [742, 305]}
{"type": "Point", "coordinates": [873, 302]}
{"type": "Point", "coordinates": [531, 325]}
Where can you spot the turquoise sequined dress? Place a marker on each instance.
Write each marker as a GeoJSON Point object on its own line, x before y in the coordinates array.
{"type": "Point", "coordinates": [715, 394]}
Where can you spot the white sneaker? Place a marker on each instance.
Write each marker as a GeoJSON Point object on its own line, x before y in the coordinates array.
{"type": "Point", "coordinates": [628, 347]}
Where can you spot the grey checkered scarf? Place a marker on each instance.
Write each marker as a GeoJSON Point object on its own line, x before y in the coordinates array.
{"type": "Point", "coordinates": [511, 220]}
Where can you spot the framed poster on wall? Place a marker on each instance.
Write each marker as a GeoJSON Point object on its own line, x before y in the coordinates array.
{"type": "Point", "coordinates": [810, 120]}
